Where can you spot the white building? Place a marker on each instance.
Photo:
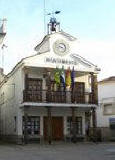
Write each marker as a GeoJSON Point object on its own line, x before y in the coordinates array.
{"type": "Point", "coordinates": [106, 110]}
{"type": "Point", "coordinates": [32, 106]}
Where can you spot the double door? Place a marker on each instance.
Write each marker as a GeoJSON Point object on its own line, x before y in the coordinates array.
{"type": "Point", "coordinates": [56, 128]}
{"type": "Point", "coordinates": [34, 89]}
{"type": "Point", "coordinates": [78, 94]}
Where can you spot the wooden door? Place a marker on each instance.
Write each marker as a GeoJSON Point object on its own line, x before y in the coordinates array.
{"type": "Point", "coordinates": [34, 89]}
{"type": "Point", "coordinates": [79, 92]}
{"type": "Point", "coordinates": [57, 128]}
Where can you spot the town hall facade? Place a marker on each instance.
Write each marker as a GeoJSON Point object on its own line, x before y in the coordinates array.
{"type": "Point", "coordinates": [34, 105]}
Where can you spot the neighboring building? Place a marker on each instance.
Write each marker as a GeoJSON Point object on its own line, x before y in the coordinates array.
{"type": "Point", "coordinates": [33, 106]}
{"type": "Point", "coordinates": [106, 110]}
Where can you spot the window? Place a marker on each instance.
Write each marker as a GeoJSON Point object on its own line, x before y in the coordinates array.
{"type": "Point", "coordinates": [112, 123]}
{"type": "Point", "coordinates": [33, 125]}
{"type": "Point", "coordinates": [79, 92]}
{"type": "Point", "coordinates": [34, 89]}
{"type": "Point", "coordinates": [78, 125]}
{"type": "Point", "coordinates": [69, 125]}
{"type": "Point", "coordinates": [108, 109]}
{"type": "Point", "coordinates": [34, 84]}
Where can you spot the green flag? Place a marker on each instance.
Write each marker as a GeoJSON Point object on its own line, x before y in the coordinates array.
{"type": "Point", "coordinates": [57, 76]}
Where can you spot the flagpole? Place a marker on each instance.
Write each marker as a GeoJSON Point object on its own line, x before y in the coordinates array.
{"type": "Point", "coordinates": [3, 57]}
{"type": "Point", "coordinates": [3, 46]}
{"type": "Point", "coordinates": [44, 17]}
{"type": "Point", "coordinates": [2, 35]}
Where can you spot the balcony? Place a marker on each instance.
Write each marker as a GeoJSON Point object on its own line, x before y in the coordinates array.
{"type": "Point", "coordinates": [56, 97]}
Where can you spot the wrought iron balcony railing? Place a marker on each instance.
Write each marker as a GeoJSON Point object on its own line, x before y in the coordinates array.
{"type": "Point", "coordinates": [56, 97]}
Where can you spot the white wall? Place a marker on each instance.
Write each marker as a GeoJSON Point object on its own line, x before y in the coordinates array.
{"type": "Point", "coordinates": [106, 93]}
{"type": "Point", "coordinates": [39, 60]}
{"type": "Point", "coordinates": [11, 93]}
{"type": "Point", "coordinates": [103, 120]}
{"type": "Point", "coordinates": [106, 90]}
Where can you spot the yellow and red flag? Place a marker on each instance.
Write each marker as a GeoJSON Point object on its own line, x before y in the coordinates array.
{"type": "Point", "coordinates": [68, 77]}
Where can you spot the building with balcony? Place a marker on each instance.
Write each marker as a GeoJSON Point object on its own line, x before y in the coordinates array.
{"type": "Point", "coordinates": [106, 109]}
{"type": "Point", "coordinates": [34, 107]}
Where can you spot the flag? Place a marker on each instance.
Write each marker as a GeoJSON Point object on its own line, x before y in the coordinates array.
{"type": "Point", "coordinates": [72, 78]}
{"type": "Point", "coordinates": [62, 77]}
{"type": "Point", "coordinates": [57, 76]}
{"type": "Point", "coordinates": [68, 77]}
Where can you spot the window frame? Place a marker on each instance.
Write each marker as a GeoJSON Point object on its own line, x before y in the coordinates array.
{"type": "Point", "coordinates": [108, 105]}
{"type": "Point", "coordinates": [31, 127]}
{"type": "Point", "coordinates": [79, 131]}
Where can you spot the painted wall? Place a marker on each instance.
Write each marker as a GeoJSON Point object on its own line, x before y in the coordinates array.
{"type": "Point", "coordinates": [106, 90]}
{"type": "Point", "coordinates": [11, 96]}
{"type": "Point", "coordinates": [106, 93]}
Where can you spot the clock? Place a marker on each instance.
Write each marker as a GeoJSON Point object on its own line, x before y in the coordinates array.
{"type": "Point", "coordinates": [61, 47]}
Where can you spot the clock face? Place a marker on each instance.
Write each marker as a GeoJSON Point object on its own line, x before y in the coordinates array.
{"type": "Point", "coordinates": [61, 47]}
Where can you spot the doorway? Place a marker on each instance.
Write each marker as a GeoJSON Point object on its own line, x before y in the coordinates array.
{"type": "Point", "coordinates": [57, 128]}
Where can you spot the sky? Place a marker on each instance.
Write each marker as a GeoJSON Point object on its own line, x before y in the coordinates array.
{"type": "Point", "coordinates": [91, 21]}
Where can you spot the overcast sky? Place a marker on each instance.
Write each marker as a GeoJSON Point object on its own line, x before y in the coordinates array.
{"type": "Point", "coordinates": [91, 21]}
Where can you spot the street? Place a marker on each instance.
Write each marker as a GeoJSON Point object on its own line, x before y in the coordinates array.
{"type": "Point", "coordinates": [58, 151]}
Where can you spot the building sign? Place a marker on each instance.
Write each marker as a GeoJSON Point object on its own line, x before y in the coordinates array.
{"type": "Point", "coordinates": [60, 61]}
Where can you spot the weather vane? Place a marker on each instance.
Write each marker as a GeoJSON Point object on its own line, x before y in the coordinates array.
{"type": "Point", "coordinates": [53, 13]}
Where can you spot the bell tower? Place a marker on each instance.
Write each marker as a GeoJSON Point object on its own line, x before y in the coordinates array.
{"type": "Point", "coordinates": [53, 26]}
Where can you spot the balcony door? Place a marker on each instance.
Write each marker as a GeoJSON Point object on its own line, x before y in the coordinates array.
{"type": "Point", "coordinates": [79, 92]}
{"type": "Point", "coordinates": [34, 84]}
{"type": "Point", "coordinates": [34, 89]}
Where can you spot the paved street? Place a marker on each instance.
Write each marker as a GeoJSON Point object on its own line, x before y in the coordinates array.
{"type": "Point", "coordinates": [61, 151]}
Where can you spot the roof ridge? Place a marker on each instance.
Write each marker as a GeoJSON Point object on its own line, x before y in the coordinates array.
{"type": "Point", "coordinates": [111, 78]}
